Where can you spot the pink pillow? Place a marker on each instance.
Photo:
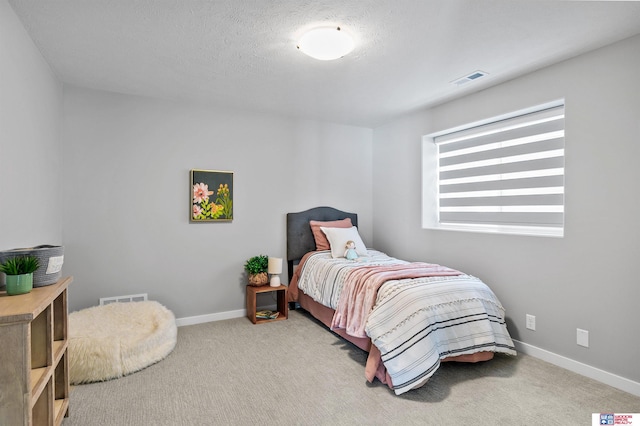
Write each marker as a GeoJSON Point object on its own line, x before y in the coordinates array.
{"type": "Point", "coordinates": [321, 240]}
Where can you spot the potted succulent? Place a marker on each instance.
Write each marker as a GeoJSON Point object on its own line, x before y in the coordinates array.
{"type": "Point", "coordinates": [19, 271]}
{"type": "Point", "coordinates": [256, 268]}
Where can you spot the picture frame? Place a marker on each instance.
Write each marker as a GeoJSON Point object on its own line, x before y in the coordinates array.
{"type": "Point", "coordinates": [211, 196]}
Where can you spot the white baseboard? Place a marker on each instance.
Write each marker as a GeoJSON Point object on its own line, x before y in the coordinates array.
{"type": "Point", "coordinates": [577, 367]}
{"type": "Point", "coordinates": [200, 319]}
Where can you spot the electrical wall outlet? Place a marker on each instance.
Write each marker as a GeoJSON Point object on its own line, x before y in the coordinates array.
{"type": "Point", "coordinates": [582, 337]}
{"type": "Point", "coordinates": [531, 322]}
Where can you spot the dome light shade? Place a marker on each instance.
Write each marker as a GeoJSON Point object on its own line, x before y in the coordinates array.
{"type": "Point", "coordinates": [326, 43]}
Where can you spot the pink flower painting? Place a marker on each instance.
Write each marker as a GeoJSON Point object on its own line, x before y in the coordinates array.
{"type": "Point", "coordinates": [211, 205]}
{"type": "Point", "coordinates": [201, 192]}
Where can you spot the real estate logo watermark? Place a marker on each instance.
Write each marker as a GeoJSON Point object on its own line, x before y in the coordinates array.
{"type": "Point", "coordinates": [615, 419]}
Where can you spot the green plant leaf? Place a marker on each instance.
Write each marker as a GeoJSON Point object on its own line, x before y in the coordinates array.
{"type": "Point", "coordinates": [20, 265]}
{"type": "Point", "coordinates": [257, 264]}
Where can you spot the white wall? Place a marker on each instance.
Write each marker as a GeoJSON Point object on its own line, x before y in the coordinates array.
{"type": "Point", "coordinates": [127, 195]}
{"type": "Point", "coordinates": [30, 153]}
{"type": "Point", "coordinates": [586, 279]}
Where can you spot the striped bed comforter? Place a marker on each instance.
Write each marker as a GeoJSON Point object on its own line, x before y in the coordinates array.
{"type": "Point", "coordinates": [414, 322]}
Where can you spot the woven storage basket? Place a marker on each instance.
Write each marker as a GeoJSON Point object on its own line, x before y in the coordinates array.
{"type": "Point", "coordinates": [257, 280]}
{"type": "Point", "coordinates": [50, 257]}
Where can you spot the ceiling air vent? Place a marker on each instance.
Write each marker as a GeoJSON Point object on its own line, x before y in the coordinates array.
{"type": "Point", "coordinates": [467, 78]}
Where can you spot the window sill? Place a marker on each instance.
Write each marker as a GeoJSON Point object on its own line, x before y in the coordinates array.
{"type": "Point", "coordinates": [501, 229]}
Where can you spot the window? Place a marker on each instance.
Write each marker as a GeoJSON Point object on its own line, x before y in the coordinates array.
{"type": "Point", "coordinates": [503, 176]}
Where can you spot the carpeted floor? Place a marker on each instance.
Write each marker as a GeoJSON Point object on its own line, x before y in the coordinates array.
{"type": "Point", "coordinates": [296, 372]}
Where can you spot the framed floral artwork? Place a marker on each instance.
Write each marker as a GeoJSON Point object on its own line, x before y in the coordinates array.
{"type": "Point", "coordinates": [211, 196]}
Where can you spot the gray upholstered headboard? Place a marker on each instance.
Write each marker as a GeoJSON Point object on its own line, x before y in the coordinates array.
{"type": "Point", "coordinates": [299, 236]}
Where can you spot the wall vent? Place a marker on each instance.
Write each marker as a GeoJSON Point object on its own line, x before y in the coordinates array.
{"type": "Point", "coordinates": [471, 77]}
{"type": "Point", "coordinates": [121, 299]}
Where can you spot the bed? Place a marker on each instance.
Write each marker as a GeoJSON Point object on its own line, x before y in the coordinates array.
{"type": "Point", "coordinates": [409, 316]}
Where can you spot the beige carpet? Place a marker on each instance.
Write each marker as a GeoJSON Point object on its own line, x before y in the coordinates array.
{"type": "Point", "coordinates": [295, 372]}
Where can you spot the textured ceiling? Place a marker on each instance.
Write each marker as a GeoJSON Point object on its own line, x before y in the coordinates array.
{"type": "Point", "coordinates": [241, 54]}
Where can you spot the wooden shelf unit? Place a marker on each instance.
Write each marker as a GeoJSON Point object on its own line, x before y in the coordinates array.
{"type": "Point", "coordinates": [283, 306]}
{"type": "Point", "coordinates": [34, 365]}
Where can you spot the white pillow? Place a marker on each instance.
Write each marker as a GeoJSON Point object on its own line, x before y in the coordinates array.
{"type": "Point", "coordinates": [338, 238]}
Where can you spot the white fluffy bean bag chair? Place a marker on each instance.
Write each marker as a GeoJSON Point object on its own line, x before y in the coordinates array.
{"type": "Point", "coordinates": [111, 341]}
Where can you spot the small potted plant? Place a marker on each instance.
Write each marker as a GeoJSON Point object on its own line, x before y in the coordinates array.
{"type": "Point", "coordinates": [19, 271]}
{"type": "Point", "coordinates": [256, 268]}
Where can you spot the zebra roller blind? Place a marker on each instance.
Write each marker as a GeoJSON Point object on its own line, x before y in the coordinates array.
{"type": "Point", "coordinates": [506, 174]}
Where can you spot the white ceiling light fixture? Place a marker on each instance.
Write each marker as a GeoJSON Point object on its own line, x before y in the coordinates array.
{"type": "Point", "coordinates": [326, 43]}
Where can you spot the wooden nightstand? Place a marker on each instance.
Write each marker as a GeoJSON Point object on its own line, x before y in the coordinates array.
{"type": "Point", "coordinates": [283, 306]}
